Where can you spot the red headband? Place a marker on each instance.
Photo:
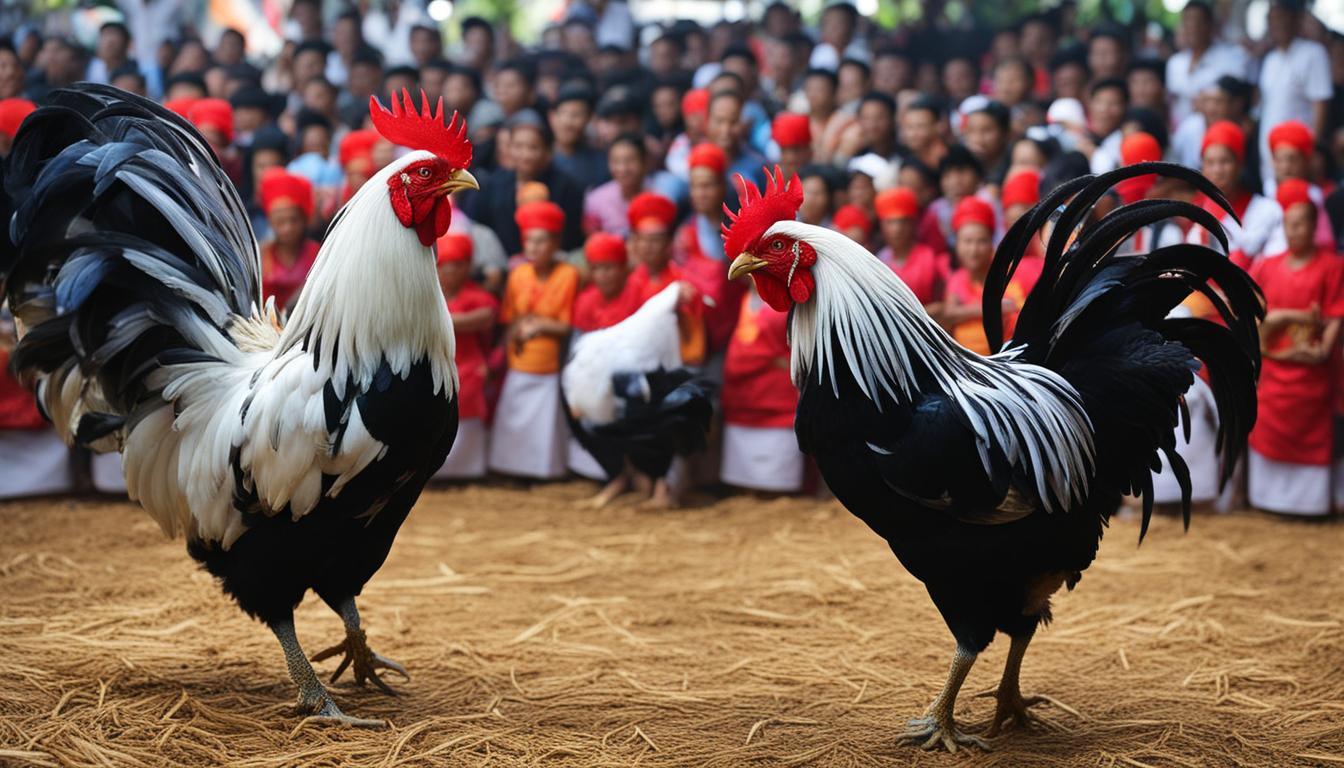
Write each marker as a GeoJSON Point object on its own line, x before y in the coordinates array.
{"type": "Point", "coordinates": [1022, 188]}
{"type": "Point", "coordinates": [850, 216]}
{"type": "Point", "coordinates": [280, 187]}
{"type": "Point", "coordinates": [542, 214]}
{"type": "Point", "coordinates": [1291, 134]}
{"type": "Point", "coordinates": [896, 203]}
{"type": "Point", "coordinates": [1225, 134]}
{"type": "Point", "coordinates": [973, 210]}
{"type": "Point", "coordinates": [604, 248]}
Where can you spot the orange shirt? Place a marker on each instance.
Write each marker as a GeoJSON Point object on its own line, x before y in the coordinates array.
{"type": "Point", "coordinates": [967, 290]}
{"type": "Point", "coordinates": [551, 298]}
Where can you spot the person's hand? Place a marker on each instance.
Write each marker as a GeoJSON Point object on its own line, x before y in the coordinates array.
{"type": "Point", "coordinates": [1311, 353]}
{"type": "Point", "coordinates": [685, 292]}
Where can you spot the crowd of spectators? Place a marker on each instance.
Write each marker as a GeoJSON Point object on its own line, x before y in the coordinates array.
{"type": "Point", "coordinates": [606, 150]}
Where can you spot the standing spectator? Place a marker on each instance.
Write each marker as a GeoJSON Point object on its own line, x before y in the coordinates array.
{"type": "Point", "coordinates": [530, 437]}
{"type": "Point", "coordinates": [605, 207]}
{"type": "Point", "coordinates": [473, 310]}
{"type": "Point", "coordinates": [1147, 83]}
{"type": "Point", "coordinates": [1292, 444]}
{"type": "Point", "coordinates": [605, 301]}
{"type": "Point", "coordinates": [985, 131]}
{"type": "Point", "coordinates": [819, 190]}
{"type": "Point", "coordinates": [1068, 74]}
{"type": "Point", "coordinates": [1292, 148]}
{"type": "Point", "coordinates": [569, 117]}
{"type": "Point", "coordinates": [919, 131]}
{"type": "Point", "coordinates": [1106, 105]}
{"type": "Point", "coordinates": [288, 256]}
{"type": "Point", "coordinates": [724, 128]}
{"type": "Point", "coordinates": [1294, 81]}
{"type": "Point", "coordinates": [874, 132]}
{"type": "Point", "coordinates": [792, 134]}
{"type": "Point", "coordinates": [961, 78]}
{"type": "Point", "coordinates": [478, 44]}
{"type": "Point", "coordinates": [698, 246]}
{"type": "Point", "coordinates": [918, 265]}
{"type": "Point", "coordinates": [839, 22]}
{"type": "Point", "coordinates": [511, 87]}
{"type": "Point", "coordinates": [1223, 156]}
{"type": "Point", "coordinates": [650, 225]}
{"type": "Point", "coordinates": [1107, 52]}
{"type": "Point", "coordinates": [695, 118]}
{"type": "Point", "coordinates": [1202, 61]}
{"type": "Point", "coordinates": [347, 39]}
{"type": "Point", "coordinates": [823, 107]}
{"type": "Point", "coordinates": [530, 149]}
{"type": "Point", "coordinates": [973, 223]}
{"type": "Point", "coordinates": [1013, 81]}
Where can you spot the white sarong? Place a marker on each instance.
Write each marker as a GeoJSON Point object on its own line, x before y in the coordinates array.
{"type": "Point", "coordinates": [467, 458]}
{"type": "Point", "coordinates": [1200, 454]}
{"type": "Point", "coordinates": [762, 458]}
{"type": "Point", "coordinates": [1287, 488]}
{"type": "Point", "coordinates": [107, 474]}
{"type": "Point", "coordinates": [530, 435]}
{"type": "Point", "coordinates": [33, 462]}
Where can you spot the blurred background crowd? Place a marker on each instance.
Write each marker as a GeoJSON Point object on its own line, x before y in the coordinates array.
{"type": "Point", "coordinates": [607, 136]}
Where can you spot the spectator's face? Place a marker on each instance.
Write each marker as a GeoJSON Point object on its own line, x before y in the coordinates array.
{"type": "Point", "coordinates": [666, 106]}
{"type": "Point", "coordinates": [1214, 104]}
{"type": "Point", "coordinates": [529, 152]}
{"type": "Point", "coordinates": [287, 224]}
{"type": "Point", "coordinates": [184, 91]}
{"type": "Point", "coordinates": [876, 124]}
{"type": "Point", "coordinates": [216, 80]}
{"type": "Point", "coordinates": [609, 277]}
{"type": "Point", "coordinates": [745, 69]}
{"type": "Point", "coordinates": [578, 39]}
{"type": "Point", "coordinates": [957, 183]}
{"type": "Point", "coordinates": [974, 245]}
{"type": "Point", "coordinates": [1038, 42]}
{"type": "Point", "coordinates": [191, 58]}
{"type": "Point", "coordinates": [568, 121]}
{"type": "Point", "coordinates": [539, 247]}
{"type": "Point", "coordinates": [626, 165]}
{"type": "Point", "coordinates": [1146, 90]}
{"type": "Point", "coordinates": [425, 46]}
{"type": "Point", "coordinates": [230, 49]}
{"type": "Point", "coordinates": [725, 124]}
{"type": "Point", "coordinates": [1289, 164]}
{"type": "Point", "coordinates": [912, 180]}
{"type": "Point", "coordinates": [512, 91]}
{"type": "Point", "coordinates": [128, 82]}
{"type": "Point", "coordinates": [1070, 82]}
{"type": "Point", "coordinates": [308, 65]}
{"type": "Point", "coordinates": [1027, 155]}
{"type": "Point", "coordinates": [248, 119]}
{"type": "Point", "coordinates": [1196, 29]}
{"type": "Point", "coordinates": [1105, 110]}
{"type": "Point", "coordinates": [664, 58]}
{"type": "Point", "coordinates": [892, 74]}
{"type": "Point", "coordinates": [319, 98]}
{"type": "Point", "coordinates": [459, 93]}
{"type": "Point", "coordinates": [1282, 26]}
{"type": "Point", "coordinates": [364, 80]}
{"type": "Point", "coordinates": [345, 37]}
{"type": "Point", "coordinates": [860, 191]}
{"type": "Point", "coordinates": [820, 94]}
{"type": "Point", "coordinates": [696, 47]}
{"type": "Point", "coordinates": [112, 45]}
{"type": "Point", "coordinates": [1106, 57]}
{"type": "Point", "coordinates": [853, 84]}
{"type": "Point", "coordinates": [309, 18]}
{"type": "Point", "coordinates": [317, 139]}
{"type": "Point", "coordinates": [432, 79]}
{"type": "Point", "coordinates": [395, 84]}
{"type": "Point", "coordinates": [452, 274]}
{"type": "Point", "coordinates": [1299, 227]}
{"type": "Point", "coordinates": [478, 46]}
{"type": "Point", "coordinates": [11, 74]}
{"type": "Point", "coordinates": [898, 232]}
{"type": "Point", "coordinates": [651, 247]}
{"type": "Point", "coordinates": [984, 137]}
{"type": "Point", "coordinates": [1221, 167]}
{"type": "Point", "coordinates": [816, 200]}
{"type": "Point", "coordinates": [1011, 84]}
{"type": "Point", "coordinates": [837, 28]}
{"type": "Point", "coordinates": [707, 191]}
{"type": "Point", "coordinates": [782, 62]}
{"type": "Point", "coordinates": [1004, 45]}
{"type": "Point", "coordinates": [959, 79]}
{"type": "Point", "coordinates": [793, 158]}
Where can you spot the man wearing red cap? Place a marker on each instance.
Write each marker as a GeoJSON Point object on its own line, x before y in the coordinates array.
{"type": "Point", "coordinates": [473, 310]}
{"type": "Point", "coordinates": [1292, 444]}
{"type": "Point", "coordinates": [356, 156]}
{"type": "Point", "coordinates": [1259, 233]}
{"type": "Point", "coordinates": [214, 119]}
{"type": "Point", "coordinates": [605, 301]}
{"type": "Point", "coordinates": [698, 247]}
{"type": "Point", "coordinates": [973, 228]}
{"type": "Point", "coordinates": [12, 114]}
{"type": "Point", "coordinates": [793, 135]}
{"type": "Point", "coordinates": [1292, 146]}
{"type": "Point", "coordinates": [853, 222]}
{"type": "Point", "coordinates": [1140, 147]}
{"type": "Point", "coordinates": [288, 201]}
{"type": "Point", "coordinates": [918, 266]}
{"type": "Point", "coordinates": [695, 117]}
{"type": "Point", "coordinates": [651, 217]}
{"type": "Point", "coordinates": [530, 434]}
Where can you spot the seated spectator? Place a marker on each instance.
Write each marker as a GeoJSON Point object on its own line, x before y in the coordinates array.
{"type": "Point", "coordinates": [724, 127]}
{"type": "Point", "coordinates": [959, 177]}
{"type": "Point", "coordinates": [530, 436]}
{"type": "Point", "coordinates": [985, 132]}
{"type": "Point", "coordinates": [1204, 60]}
{"type": "Point", "coordinates": [356, 156]}
{"type": "Point", "coordinates": [1106, 105]}
{"type": "Point", "coordinates": [287, 257]}
{"type": "Point", "coordinates": [605, 301]}
{"type": "Point", "coordinates": [922, 269]}
{"type": "Point", "coordinates": [695, 116]}
{"type": "Point", "coordinates": [1021, 192]}
{"type": "Point", "coordinates": [473, 310]}
{"type": "Point", "coordinates": [874, 130]}
{"type": "Point", "coordinates": [829, 122]}
{"type": "Point", "coordinates": [919, 132]}
{"type": "Point", "coordinates": [1292, 444]}
{"type": "Point", "coordinates": [973, 222]}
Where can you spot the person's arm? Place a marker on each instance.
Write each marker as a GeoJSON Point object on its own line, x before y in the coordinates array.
{"type": "Point", "coordinates": [1321, 117]}
{"type": "Point", "coordinates": [533, 326]}
{"type": "Point", "coordinates": [473, 320]}
{"type": "Point", "coordinates": [955, 313]}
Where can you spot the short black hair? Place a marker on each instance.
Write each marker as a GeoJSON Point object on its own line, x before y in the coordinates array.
{"type": "Point", "coordinates": [893, 52]}
{"type": "Point", "coordinates": [350, 14]}
{"type": "Point", "coordinates": [433, 30]}
{"type": "Point", "coordinates": [1149, 64]}
{"type": "Point", "coordinates": [926, 103]}
{"type": "Point", "coordinates": [860, 63]}
{"type": "Point", "coordinates": [997, 112]}
{"type": "Point", "coordinates": [460, 70]}
{"type": "Point", "coordinates": [195, 79]}
{"type": "Point", "coordinates": [738, 83]}
{"type": "Point", "coordinates": [829, 74]}
{"type": "Point", "coordinates": [1149, 122]}
{"type": "Point", "coordinates": [312, 46]}
{"type": "Point", "coordinates": [403, 70]}
{"type": "Point", "coordinates": [322, 82]}
{"type": "Point", "coordinates": [674, 39]}
{"type": "Point", "coordinates": [827, 173]}
{"type": "Point", "coordinates": [966, 57]}
{"type": "Point", "coordinates": [368, 56]}
{"type": "Point", "coordinates": [1069, 54]}
{"type": "Point", "coordinates": [476, 22]}
{"type": "Point", "coordinates": [1116, 33]}
{"type": "Point", "coordinates": [1235, 87]}
{"type": "Point", "coordinates": [129, 69]}
{"type": "Point", "coordinates": [959, 157]}
{"type": "Point", "coordinates": [738, 51]}
{"type": "Point", "coordinates": [634, 140]}
{"type": "Point", "coordinates": [230, 31]}
{"type": "Point", "coordinates": [845, 7]}
{"type": "Point", "coordinates": [575, 90]}
{"type": "Point", "coordinates": [1017, 61]}
{"type": "Point", "coordinates": [926, 174]}
{"type": "Point", "coordinates": [722, 94]}
{"type": "Point", "coordinates": [270, 138]}
{"type": "Point", "coordinates": [115, 26]}
{"type": "Point", "coordinates": [1201, 6]}
{"type": "Point", "coordinates": [1116, 83]}
{"type": "Point", "coordinates": [879, 97]}
{"type": "Point", "coordinates": [523, 66]}
{"type": "Point", "coordinates": [307, 118]}
{"type": "Point", "coordinates": [438, 65]}
{"type": "Point", "coordinates": [529, 119]}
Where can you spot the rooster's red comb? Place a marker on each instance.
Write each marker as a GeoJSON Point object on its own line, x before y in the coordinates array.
{"type": "Point", "coordinates": [758, 212]}
{"type": "Point", "coordinates": [424, 129]}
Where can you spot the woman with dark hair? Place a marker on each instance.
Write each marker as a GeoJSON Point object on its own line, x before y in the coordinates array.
{"type": "Point", "coordinates": [605, 207]}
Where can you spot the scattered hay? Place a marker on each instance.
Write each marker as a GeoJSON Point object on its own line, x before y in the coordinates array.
{"type": "Point", "coordinates": [738, 633]}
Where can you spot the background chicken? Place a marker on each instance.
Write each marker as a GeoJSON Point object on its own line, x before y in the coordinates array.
{"type": "Point", "coordinates": [992, 477]}
{"type": "Point", "coordinates": [630, 402]}
{"type": "Point", "coordinates": [287, 457]}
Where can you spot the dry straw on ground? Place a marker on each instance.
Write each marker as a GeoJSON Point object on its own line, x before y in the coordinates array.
{"type": "Point", "coordinates": [738, 633]}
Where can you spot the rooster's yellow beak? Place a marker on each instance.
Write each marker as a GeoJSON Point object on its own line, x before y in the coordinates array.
{"type": "Point", "coordinates": [460, 179]}
{"type": "Point", "coordinates": [744, 264]}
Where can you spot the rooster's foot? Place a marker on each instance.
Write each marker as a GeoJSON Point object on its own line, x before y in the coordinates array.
{"type": "Point", "coordinates": [1012, 711]}
{"type": "Point", "coordinates": [316, 703]}
{"type": "Point", "coordinates": [364, 663]}
{"type": "Point", "coordinates": [932, 730]}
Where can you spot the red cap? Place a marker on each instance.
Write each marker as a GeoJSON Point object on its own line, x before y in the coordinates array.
{"type": "Point", "coordinates": [454, 246]}
{"type": "Point", "coordinates": [1022, 188]}
{"type": "Point", "coordinates": [542, 214]}
{"type": "Point", "coordinates": [972, 210]}
{"type": "Point", "coordinates": [709, 156]}
{"type": "Point", "coordinates": [1139, 147]}
{"type": "Point", "coordinates": [1291, 134]}
{"type": "Point", "coordinates": [650, 210]}
{"type": "Point", "coordinates": [604, 248]}
{"type": "Point", "coordinates": [791, 129]}
{"type": "Point", "coordinates": [212, 113]}
{"type": "Point", "coordinates": [1225, 134]}
{"type": "Point", "coordinates": [358, 145]}
{"type": "Point", "coordinates": [695, 102]}
{"type": "Point", "coordinates": [280, 188]}
{"type": "Point", "coordinates": [896, 203]}
{"type": "Point", "coordinates": [1292, 192]}
{"type": "Point", "coordinates": [12, 113]}
{"type": "Point", "coordinates": [850, 216]}
{"type": "Point", "coordinates": [181, 106]}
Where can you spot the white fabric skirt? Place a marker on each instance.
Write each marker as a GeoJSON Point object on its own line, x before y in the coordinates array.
{"type": "Point", "coordinates": [1287, 488]}
{"type": "Point", "coordinates": [33, 463]}
{"type": "Point", "coordinates": [1200, 454]}
{"type": "Point", "coordinates": [581, 462]}
{"type": "Point", "coordinates": [761, 458]}
{"type": "Point", "coordinates": [467, 459]}
{"type": "Point", "coordinates": [530, 435]}
{"type": "Point", "coordinates": [107, 474]}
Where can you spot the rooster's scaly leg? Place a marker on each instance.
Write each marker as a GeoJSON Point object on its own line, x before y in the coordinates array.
{"type": "Point", "coordinates": [937, 726]}
{"type": "Point", "coordinates": [357, 654]}
{"type": "Point", "coordinates": [1012, 707]}
{"type": "Point", "coordinates": [313, 698]}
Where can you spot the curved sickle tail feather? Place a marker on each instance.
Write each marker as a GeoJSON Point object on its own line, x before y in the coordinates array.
{"type": "Point", "coordinates": [128, 250]}
{"type": "Point", "coordinates": [1105, 322]}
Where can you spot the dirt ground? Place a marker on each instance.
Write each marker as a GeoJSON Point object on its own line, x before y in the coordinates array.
{"type": "Point", "coordinates": [740, 632]}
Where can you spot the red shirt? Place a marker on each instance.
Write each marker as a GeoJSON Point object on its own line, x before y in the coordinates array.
{"type": "Point", "coordinates": [592, 311]}
{"type": "Point", "coordinates": [757, 388]}
{"type": "Point", "coordinates": [923, 270]}
{"type": "Point", "coordinates": [690, 315]}
{"type": "Point", "coordinates": [18, 407]}
{"type": "Point", "coordinates": [284, 282]}
{"type": "Point", "coordinates": [471, 347]}
{"type": "Point", "coordinates": [1294, 423]}
{"type": "Point", "coordinates": [710, 277]}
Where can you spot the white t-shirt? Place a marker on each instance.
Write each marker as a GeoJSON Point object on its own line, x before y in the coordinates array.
{"type": "Point", "coordinates": [1184, 82]}
{"type": "Point", "coordinates": [1291, 82]}
{"type": "Point", "coordinates": [1106, 157]}
{"type": "Point", "coordinates": [1260, 232]}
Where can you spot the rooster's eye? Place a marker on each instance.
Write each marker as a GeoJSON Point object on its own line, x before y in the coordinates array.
{"type": "Point", "coordinates": [424, 173]}
{"type": "Point", "coordinates": [777, 245]}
